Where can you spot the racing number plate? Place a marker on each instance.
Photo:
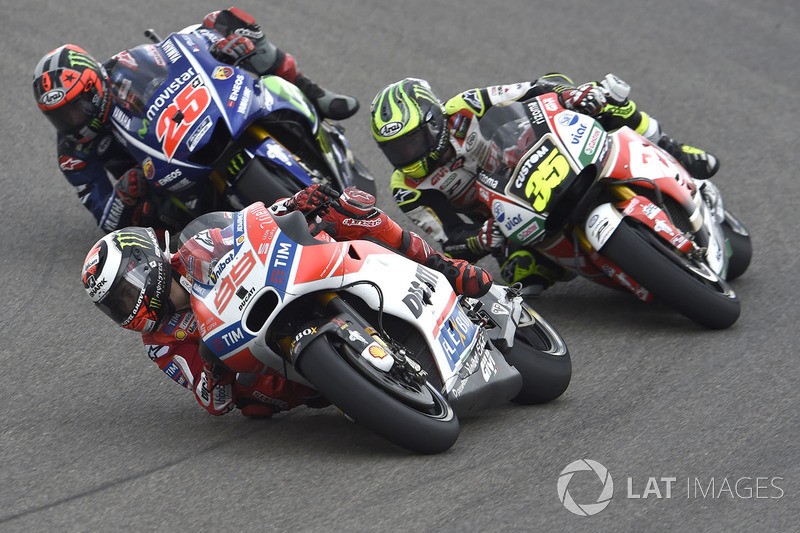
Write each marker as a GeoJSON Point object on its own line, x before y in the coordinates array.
{"type": "Point", "coordinates": [541, 170]}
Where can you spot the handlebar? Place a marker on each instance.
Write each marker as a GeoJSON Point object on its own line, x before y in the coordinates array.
{"type": "Point", "coordinates": [152, 35]}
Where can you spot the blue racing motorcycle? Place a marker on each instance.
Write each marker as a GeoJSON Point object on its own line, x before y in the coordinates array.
{"type": "Point", "coordinates": [210, 136]}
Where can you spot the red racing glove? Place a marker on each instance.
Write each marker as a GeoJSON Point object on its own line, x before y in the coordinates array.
{"type": "Point", "coordinates": [232, 49]}
{"type": "Point", "coordinates": [130, 186]}
{"type": "Point", "coordinates": [311, 198]}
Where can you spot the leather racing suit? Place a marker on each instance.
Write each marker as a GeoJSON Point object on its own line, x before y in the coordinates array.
{"type": "Point", "coordinates": [176, 343]}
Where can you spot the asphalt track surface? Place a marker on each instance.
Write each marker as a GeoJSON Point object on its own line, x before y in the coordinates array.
{"type": "Point", "coordinates": [95, 437]}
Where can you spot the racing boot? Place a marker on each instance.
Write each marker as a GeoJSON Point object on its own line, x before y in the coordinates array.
{"type": "Point", "coordinates": [535, 272]}
{"type": "Point", "coordinates": [329, 104]}
{"type": "Point", "coordinates": [465, 278]}
{"type": "Point", "coordinates": [698, 163]}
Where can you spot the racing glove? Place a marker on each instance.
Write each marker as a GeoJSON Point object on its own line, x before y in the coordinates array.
{"type": "Point", "coordinates": [214, 390]}
{"type": "Point", "coordinates": [131, 186]}
{"type": "Point", "coordinates": [353, 215]}
{"type": "Point", "coordinates": [311, 198]}
{"type": "Point", "coordinates": [489, 238]}
{"type": "Point", "coordinates": [232, 49]}
{"type": "Point", "coordinates": [587, 99]}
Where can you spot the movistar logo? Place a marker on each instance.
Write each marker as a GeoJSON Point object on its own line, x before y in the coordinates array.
{"type": "Point", "coordinates": [143, 130]}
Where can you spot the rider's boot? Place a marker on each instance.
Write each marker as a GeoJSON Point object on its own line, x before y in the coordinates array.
{"type": "Point", "coordinates": [269, 59]}
{"type": "Point", "coordinates": [330, 105]}
{"type": "Point", "coordinates": [698, 163]}
{"type": "Point", "coordinates": [466, 278]}
{"type": "Point", "coordinates": [535, 272]}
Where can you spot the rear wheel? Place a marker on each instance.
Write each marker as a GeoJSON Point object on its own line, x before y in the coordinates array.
{"type": "Point", "coordinates": [408, 414]}
{"type": "Point", "coordinates": [540, 355]}
{"type": "Point", "coordinates": [687, 285]}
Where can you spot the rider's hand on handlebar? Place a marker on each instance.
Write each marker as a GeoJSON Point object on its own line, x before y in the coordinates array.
{"type": "Point", "coordinates": [130, 186]}
{"type": "Point", "coordinates": [588, 99]}
{"type": "Point", "coordinates": [311, 198]}
{"type": "Point", "coordinates": [490, 236]}
{"type": "Point", "coordinates": [232, 49]}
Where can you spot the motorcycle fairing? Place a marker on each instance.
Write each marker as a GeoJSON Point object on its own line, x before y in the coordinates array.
{"type": "Point", "coordinates": [634, 156]}
{"type": "Point", "coordinates": [197, 95]}
{"type": "Point", "coordinates": [647, 212]}
{"type": "Point", "coordinates": [281, 94]}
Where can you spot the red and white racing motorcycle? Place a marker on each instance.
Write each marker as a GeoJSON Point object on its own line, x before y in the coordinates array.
{"type": "Point", "coordinates": [613, 207]}
{"type": "Point", "coordinates": [383, 338]}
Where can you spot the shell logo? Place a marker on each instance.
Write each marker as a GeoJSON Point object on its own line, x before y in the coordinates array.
{"type": "Point", "coordinates": [376, 351]}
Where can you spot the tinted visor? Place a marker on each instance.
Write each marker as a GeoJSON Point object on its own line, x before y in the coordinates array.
{"type": "Point", "coordinates": [414, 146]}
{"type": "Point", "coordinates": [124, 300]}
{"type": "Point", "coordinates": [71, 117]}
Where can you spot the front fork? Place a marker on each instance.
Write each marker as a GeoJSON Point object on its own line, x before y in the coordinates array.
{"type": "Point", "coordinates": [350, 327]}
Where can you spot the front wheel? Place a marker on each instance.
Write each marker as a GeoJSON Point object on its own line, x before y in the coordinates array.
{"type": "Point", "coordinates": [540, 355]}
{"type": "Point", "coordinates": [417, 417]}
{"type": "Point", "coordinates": [689, 286]}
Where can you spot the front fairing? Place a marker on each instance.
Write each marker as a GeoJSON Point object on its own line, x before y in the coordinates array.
{"type": "Point", "coordinates": [537, 150]}
{"type": "Point", "coordinates": [174, 99]}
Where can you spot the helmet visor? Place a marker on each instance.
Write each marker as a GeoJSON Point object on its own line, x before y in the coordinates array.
{"type": "Point", "coordinates": [415, 145]}
{"type": "Point", "coordinates": [124, 300]}
{"type": "Point", "coordinates": [73, 116]}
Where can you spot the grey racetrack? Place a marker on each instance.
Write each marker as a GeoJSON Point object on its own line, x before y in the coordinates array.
{"type": "Point", "coordinates": [93, 437]}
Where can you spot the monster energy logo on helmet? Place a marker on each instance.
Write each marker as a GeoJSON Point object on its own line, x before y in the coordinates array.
{"type": "Point", "coordinates": [124, 239]}
{"type": "Point", "coordinates": [80, 59]}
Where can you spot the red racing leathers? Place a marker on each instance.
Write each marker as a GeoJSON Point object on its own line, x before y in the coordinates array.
{"type": "Point", "coordinates": [175, 348]}
{"type": "Point", "coordinates": [175, 345]}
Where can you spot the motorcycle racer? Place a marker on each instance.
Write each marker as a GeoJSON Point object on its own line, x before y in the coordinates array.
{"type": "Point", "coordinates": [437, 151]}
{"type": "Point", "coordinates": [142, 288]}
{"type": "Point", "coordinates": [79, 95]}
